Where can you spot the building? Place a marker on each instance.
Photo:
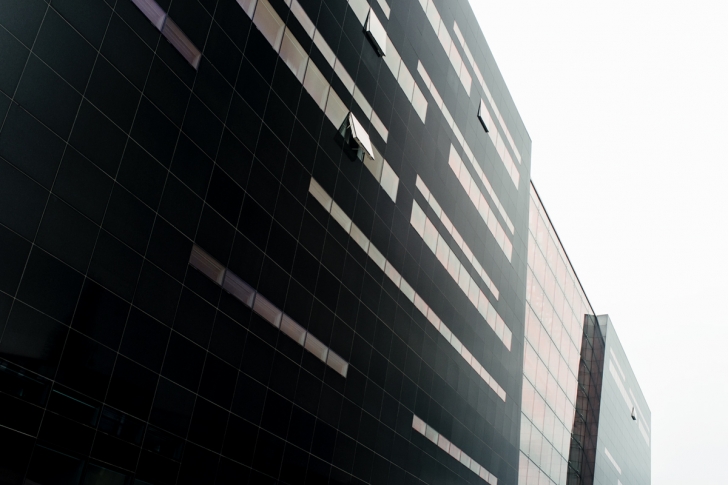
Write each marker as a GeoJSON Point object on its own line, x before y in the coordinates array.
{"type": "Point", "coordinates": [578, 403]}
{"type": "Point", "coordinates": [263, 241]}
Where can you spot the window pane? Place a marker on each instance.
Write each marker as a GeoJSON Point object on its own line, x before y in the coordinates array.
{"type": "Point", "coordinates": [267, 310]}
{"type": "Point", "coordinates": [377, 34]}
{"type": "Point", "coordinates": [337, 363]}
{"type": "Point", "coordinates": [390, 181]}
{"type": "Point", "coordinates": [238, 288]}
{"type": "Point", "coordinates": [152, 11]}
{"type": "Point", "coordinates": [293, 55]}
{"type": "Point", "coordinates": [302, 18]}
{"type": "Point", "coordinates": [207, 265]}
{"type": "Point", "coordinates": [317, 348]}
{"type": "Point", "coordinates": [336, 110]}
{"type": "Point", "coordinates": [179, 40]}
{"type": "Point", "coordinates": [316, 85]}
{"type": "Point", "coordinates": [248, 6]}
{"type": "Point", "coordinates": [420, 103]}
{"type": "Point", "coordinates": [406, 81]}
{"type": "Point", "coordinates": [269, 23]}
{"type": "Point", "coordinates": [293, 330]}
{"type": "Point", "coordinates": [324, 48]}
{"type": "Point", "coordinates": [344, 76]}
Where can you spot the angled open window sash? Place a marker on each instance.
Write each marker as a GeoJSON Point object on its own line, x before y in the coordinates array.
{"type": "Point", "coordinates": [376, 33]}
{"type": "Point", "coordinates": [484, 116]}
{"type": "Point", "coordinates": [356, 136]}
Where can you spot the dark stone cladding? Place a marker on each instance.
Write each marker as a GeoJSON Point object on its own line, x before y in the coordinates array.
{"type": "Point", "coordinates": [120, 363]}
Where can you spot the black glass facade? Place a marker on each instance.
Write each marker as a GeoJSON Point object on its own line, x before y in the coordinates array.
{"type": "Point", "coordinates": [200, 283]}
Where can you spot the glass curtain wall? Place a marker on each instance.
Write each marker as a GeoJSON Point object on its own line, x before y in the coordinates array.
{"type": "Point", "coordinates": [555, 309]}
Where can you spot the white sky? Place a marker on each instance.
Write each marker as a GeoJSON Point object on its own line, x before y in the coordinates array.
{"type": "Point", "coordinates": [626, 103]}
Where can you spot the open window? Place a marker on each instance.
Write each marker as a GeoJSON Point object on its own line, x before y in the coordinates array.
{"type": "Point", "coordinates": [376, 33]}
{"type": "Point", "coordinates": [356, 137]}
{"type": "Point", "coordinates": [634, 414]}
{"type": "Point", "coordinates": [484, 116]}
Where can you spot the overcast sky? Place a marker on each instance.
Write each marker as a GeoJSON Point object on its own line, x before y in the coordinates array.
{"type": "Point", "coordinates": [626, 103]}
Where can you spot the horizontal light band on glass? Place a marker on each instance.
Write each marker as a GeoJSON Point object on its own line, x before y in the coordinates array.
{"type": "Point", "coordinates": [174, 35]}
{"type": "Point", "coordinates": [338, 68]}
{"type": "Point", "coordinates": [479, 201]}
{"type": "Point", "coordinates": [464, 144]}
{"type": "Point", "coordinates": [385, 7]}
{"type": "Point", "coordinates": [238, 288]}
{"type": "Point", "coordinates": [457, 271]}
{"type": "Point", "coordinates": [611, 459]}
{"type": "Point", "coordinates": [443, 443]}
{"type": "Point", "coordinates": [450, 227]}
{"type": "Point", "coordinates": [375, 255]}
{"type": "Point", "coordinates": [448, 45]}
{"type": "Point", "coordinates": [489, 97]}
{"type": "Point", "coordinates": [395, 64]}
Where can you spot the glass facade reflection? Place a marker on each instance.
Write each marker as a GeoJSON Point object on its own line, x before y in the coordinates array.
{"type": "Point", "coordinates": [576, 396]}
{"type": "Point", "coordinates": [270, 241]}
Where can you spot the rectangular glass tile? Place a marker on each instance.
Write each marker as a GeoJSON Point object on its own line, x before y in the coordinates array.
{"type": "Point", "coordinates": [207, 265]}
{"type": "Point", "coordinates": [267, 310]}
{"type": "Point", "coordinates": [293, 55]}
{"type": "Point", "coordinates": [269, 23]}
{"type": "Point", "coordinates": [179, 40]}
{"type": "Point", "coordinates": [337, 363]}
{"type": "Point", "coordinates": [316, 347]}
{"type": "Point", "coordinates": [152, 11]}
{"type": "Point", "coordinates": [293, 330]}
{"type": "Point", "coordinates": [238, 288]}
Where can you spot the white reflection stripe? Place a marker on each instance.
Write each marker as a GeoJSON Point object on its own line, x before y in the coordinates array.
{"type": "Point", "coordinates": [395, 63]}
{"type": "Point", "coordinates": [458, 239]}
{"type": "Point", "coordinates": [503, 154]}
{"type": "Point", "coordinates": [449, 260]}
{"type": "Point", "coordinates": [620, 385]}
{"type": "Point", "coordinates": [447, 44]}
{"type": "Point", "coordinates": [611, 458]}
{"type": "Point", "coordinates": [330, 103]}
{"type": "Point", "coordinates": [480, 202]}
{"type": "Point", "coordinates": [339, 69]}
{"type": "Point", "coordinates": [489, 97]}
{"type": "Point", "coordinates": [263, 307]}
{"type": "Point", "coordinates": [383, 264]}
{"type": "Point", "coordinates": [464, 144]}
{"type": "Point", "coordinates": [431, 434]}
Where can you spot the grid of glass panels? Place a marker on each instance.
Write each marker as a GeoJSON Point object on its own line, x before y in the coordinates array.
{"type": "Point", "coordinates": [555, 307]}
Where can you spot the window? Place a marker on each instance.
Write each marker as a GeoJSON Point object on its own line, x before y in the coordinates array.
{"type": "Point", "coordinates": [302, 18]}
{"type": "Point", "coordinates": [406, 81]}
{"type": "Point", "coordinates": [269, 24]}
{"type": "Point", "coordinates": [376, 33]}
{"type": "Point", "coordinates": [267, 310]}
{"type": "Point", "coordinates": [207, 265]}
{"type": "Point", "coordinates": [316, 85]}
{"type": "Point", "coordinates": [484, 116]}
{"type": "Point", "coordinates": [320, 194]}
{"type": "Point", "coordinates": [336, 110]}
{"type": "Point", "coordinates": [357, 138]}
{"type": "Point", "coordinates": [419, 103]}
{"type": "Point", "coordinates": [324, 48]}
{"type": "Point", "coordinates": [340, 216]}
{"type": "Point", "coordinates": [293, 55]}
{"type": "Point", "coordinates": [248, 6]}
{"type": "Point", "coordinates": [360, 8]}
{"type": "Point", "coordinates": [317, 348]}
{"type": "Point", "coordinates": [337, 363]}
{"type": "Point", "coordinates": [390, 181]}
{"type": "Point", "coordinates": [238, 288]}
{"type": "Point", "coordinates": [385, 7]}
{"type": "Point", "coordinates": [179, 40]}
{"type": "Point", "coordinates": [293, 330]}
{"type": "Point", "coordinates": [152, 11]}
